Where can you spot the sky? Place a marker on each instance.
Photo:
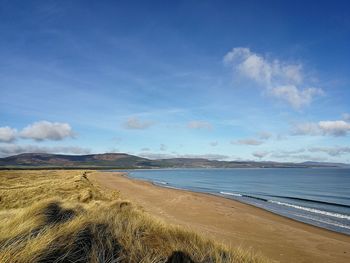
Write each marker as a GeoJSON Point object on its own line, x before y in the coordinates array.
{"type": "Point", "coordinates": [226, 80]}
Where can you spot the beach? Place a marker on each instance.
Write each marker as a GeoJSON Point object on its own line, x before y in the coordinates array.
{"type": "Point", "coordinates": [232, 223]}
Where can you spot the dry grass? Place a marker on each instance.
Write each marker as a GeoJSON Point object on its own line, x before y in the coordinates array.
{"type": "Point", "coordinates": [61, 216]}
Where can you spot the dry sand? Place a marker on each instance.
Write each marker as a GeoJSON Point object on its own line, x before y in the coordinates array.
{"type": "Point", "coordinates": [233, 223]}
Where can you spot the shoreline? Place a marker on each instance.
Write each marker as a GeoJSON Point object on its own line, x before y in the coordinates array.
{"type": "Point", "coordinates": [232, 222]}
{"type": "Point", "coordinates": [125, 174]}
{"type": "Point", "coordinates": [235, 200]}
{"type": "Point", "coordinates": [251, 205]}
{"type": "Point", "coordinates": [165, 185]}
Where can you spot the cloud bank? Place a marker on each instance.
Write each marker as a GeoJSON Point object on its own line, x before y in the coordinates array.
{"type": "Point", "coordinates": [281, 80]}
{"type": "Point", "coordinates": [38, 131]}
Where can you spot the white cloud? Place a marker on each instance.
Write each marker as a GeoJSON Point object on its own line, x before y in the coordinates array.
{"type": "Point", "coordinates": [12, 149]}
{"type": "Point", "coordinates": [335, 128]}
{"type": "Point", "coordinates": [332, 128]}
{"type": "Point", "coordinates": [332, 151]}
{"type": "Point", "coordinates": [199, 125]}
{"type": "Point", "coordinates": [260, 154]}
{"type": "Point", "coordinates": [45, 130]}
{"type": "Point", "coordinates": [7, 134]}
{"type": "Point", "coordinates": [133, 123]}
{"type": "Point", "coordinates": [249, 141]}
{"type": "Point", "coordinates": [281, 80]}
{"type": "Point", "coordinates": [295, 97]}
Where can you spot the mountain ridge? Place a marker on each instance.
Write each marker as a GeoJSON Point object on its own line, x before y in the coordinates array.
{"type": "Point", "coordinates": [127, 161]}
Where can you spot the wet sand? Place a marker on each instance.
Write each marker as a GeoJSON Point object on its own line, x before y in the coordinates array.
{"type": "Point", "coordinates": [233, 223]}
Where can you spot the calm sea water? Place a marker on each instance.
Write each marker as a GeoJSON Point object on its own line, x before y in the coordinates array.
{"type": "Point", "coordinates": [319, 197]}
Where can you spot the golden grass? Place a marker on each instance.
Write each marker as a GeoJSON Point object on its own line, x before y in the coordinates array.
{"type": "Point", "coordinates": [62, 216]}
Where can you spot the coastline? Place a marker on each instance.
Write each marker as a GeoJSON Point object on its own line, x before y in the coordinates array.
{"type": "Point", "coordinates": [297, 202]}
{"type": "Point", "coordinates": [232, 222]}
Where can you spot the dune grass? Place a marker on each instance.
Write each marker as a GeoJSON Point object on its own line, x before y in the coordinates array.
{"type": "Point", "coordinates": [62, 216]}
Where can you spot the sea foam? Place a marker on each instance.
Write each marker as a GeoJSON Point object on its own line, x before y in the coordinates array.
{"type": "Point", "coordinates": [312, 210]}
{"type": "Point", "coordinates": [232, 194]}
{"type": "Point", "coordinates": [324, 221]}
{"type": "Point", "coordinates": [161, 182]}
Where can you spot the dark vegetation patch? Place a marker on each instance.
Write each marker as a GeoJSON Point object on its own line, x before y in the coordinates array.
{"type": "Point", "coordinates": [94, 240]}
{"type": "Point", "coordinates": [179, 257]}
{"type": "Point", "coordinates": [54, 214]}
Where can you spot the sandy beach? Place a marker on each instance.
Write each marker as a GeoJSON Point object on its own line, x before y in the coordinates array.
{"type": "Point", "coordinates": [233, 223]}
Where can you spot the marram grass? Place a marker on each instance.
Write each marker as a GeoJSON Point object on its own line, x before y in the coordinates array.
{"type": "Point", "coordinates": [62, 216]}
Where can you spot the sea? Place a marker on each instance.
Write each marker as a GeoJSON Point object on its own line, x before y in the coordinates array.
{"type": "Point", "coordinates": [316, 196]}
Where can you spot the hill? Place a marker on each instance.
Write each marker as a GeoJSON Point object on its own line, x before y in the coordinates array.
{"type": "Point", "coordinates": [59, 160]}
{"type": "Point", "coordinates": [126, 161]}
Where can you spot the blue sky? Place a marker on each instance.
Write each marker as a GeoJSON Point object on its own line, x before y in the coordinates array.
{"type": "Point", "coordinates": [229, 80]}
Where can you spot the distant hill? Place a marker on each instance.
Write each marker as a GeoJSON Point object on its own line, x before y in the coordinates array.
{"type": "Point", "coordinates": [326, 164]}
{"type": "Point", "coordinates": [126, 161]}
{"type": "Point", "coordinates": [92, 160]}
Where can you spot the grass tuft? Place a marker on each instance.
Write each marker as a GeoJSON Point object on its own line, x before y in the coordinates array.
{"type": "Point", "coordinates": [77, 221]}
